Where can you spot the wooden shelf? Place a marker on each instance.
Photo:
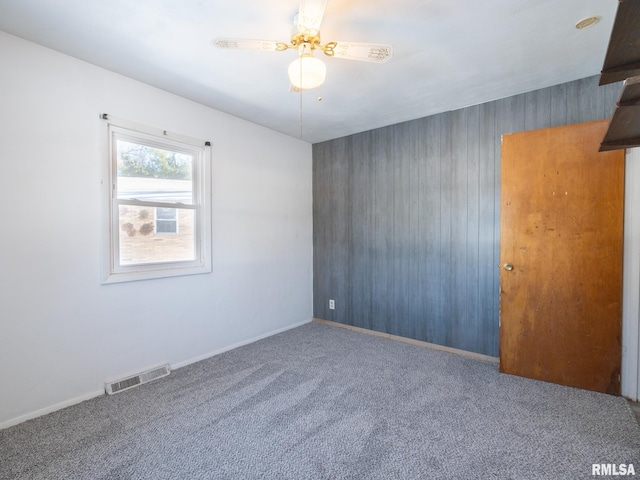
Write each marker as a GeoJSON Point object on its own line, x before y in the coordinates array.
{"type": "Point", "coordinates": [624, 126]}
{"type": "Point", "coordinates": [623, 54]}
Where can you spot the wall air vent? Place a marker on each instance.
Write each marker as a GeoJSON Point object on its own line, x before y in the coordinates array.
{"type": "Point", "coordinates": [137, 379]}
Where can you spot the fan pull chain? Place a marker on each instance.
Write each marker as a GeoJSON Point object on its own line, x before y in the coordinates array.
{"type": "Point", "coordinates": [300, 103]}
{"type": "Point", "coordinates": [300, 114]}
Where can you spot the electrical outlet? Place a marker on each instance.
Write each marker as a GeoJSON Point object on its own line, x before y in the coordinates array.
{"type": "Point", "coordinates": [332, 304]}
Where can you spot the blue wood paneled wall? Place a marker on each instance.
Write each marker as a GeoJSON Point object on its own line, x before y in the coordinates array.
{"type": "Point", "coordinates": [406, 218]}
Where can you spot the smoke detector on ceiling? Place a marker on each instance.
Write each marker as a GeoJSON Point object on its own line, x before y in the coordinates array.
{"type": "Point", "coordinates": [587, 22]}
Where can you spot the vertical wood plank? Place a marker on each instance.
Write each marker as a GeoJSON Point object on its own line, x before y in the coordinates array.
{"type": "Point", "coordinates": [414, 290]}
{"type": "Point", "coordinates": [324, 157]}
{"type": "Point", "coordinates": [488, 236]}
{"type": "Point", "coordinates": [382, 235]}
{"type": "Point", "coordinates": [431, 328]}
{"type": "Point", "coordinates": [340, 221]}
{"type": "Point", "coordinates": [559, 110]}
{"type": "Point", "coordinates": [586, 100]}
{"type": "Point", "coordinates": [537, 106]}
{"type": "Point", "coordinates": [361, 247]}
{"type": "Point", "coordinates": [399, 155]}
{"type": "Point", "coordinates": [457, 150]}
{"type": "Point", "coordinates": [471, 322]}
{"type": "Point", "coordinates": [446, 293]}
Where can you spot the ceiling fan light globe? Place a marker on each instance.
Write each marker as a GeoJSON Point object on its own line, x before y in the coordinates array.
{"type": "Point", "coordinates": [307, 72]}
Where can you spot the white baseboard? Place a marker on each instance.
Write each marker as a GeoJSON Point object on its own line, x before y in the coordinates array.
{"type": "Point", "coordinates": [89, 396]}
{"type": "Point", "coordinates": [44, 411]}
{"type": "Point", "coordinates": [236, 345]}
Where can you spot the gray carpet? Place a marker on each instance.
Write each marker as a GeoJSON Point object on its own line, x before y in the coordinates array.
{"type": "Point", "coordinates": [320, 402]}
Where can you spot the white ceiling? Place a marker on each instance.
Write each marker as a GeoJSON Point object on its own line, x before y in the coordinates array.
{"type": "Point", "coordinates": [447, 54]}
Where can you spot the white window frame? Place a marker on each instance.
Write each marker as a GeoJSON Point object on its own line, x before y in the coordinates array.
{"type": "Point", "coordinates": [113, 272]}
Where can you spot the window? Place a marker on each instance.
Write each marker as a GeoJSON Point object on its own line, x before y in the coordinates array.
{"type": "Point", "coordinates": [166, 220]}
{"type": "Point", "coordinates": [159, 204]}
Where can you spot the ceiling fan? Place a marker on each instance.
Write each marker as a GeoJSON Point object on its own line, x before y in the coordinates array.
{"type": "Point", "coordinates": [307, 71]}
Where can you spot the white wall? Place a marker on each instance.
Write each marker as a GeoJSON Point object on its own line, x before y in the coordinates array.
{"type": "Point", "coordinates": [62, 333]}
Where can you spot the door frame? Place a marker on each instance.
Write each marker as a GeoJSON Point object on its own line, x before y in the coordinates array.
{"type": "Point", "coordinates": [630, 372]}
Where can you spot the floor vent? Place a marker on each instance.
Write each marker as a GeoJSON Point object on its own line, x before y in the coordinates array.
{"type": "Point", "coordinates": [137, 379]}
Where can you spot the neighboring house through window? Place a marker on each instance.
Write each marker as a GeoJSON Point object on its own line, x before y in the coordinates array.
{"type": "Point", "coordinates": [159, 203]}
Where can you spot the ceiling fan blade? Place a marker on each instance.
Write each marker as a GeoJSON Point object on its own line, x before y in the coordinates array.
{"type": "Point", "coordinates": [244, 43]}
{"type": "Point", "coordinates": [310, 16]}
{"type": "Point", "coordinates": [366, 52]}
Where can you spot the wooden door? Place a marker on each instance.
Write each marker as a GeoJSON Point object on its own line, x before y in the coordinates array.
{"type": "Point", "coordinates": [561, 233]}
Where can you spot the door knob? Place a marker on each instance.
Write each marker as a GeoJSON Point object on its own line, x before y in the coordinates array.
{"type": "Point", "coordinates": [508, 267]}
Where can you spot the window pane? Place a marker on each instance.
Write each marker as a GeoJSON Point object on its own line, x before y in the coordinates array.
{"type": "Point", "coordinates": [153, 174]}
{"type": "Point", "coordinates": [166, 226]}
{"type": "Point", "coordinates": [142, 243]}
{"type": "Point", "coordinates": [166, 213]}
